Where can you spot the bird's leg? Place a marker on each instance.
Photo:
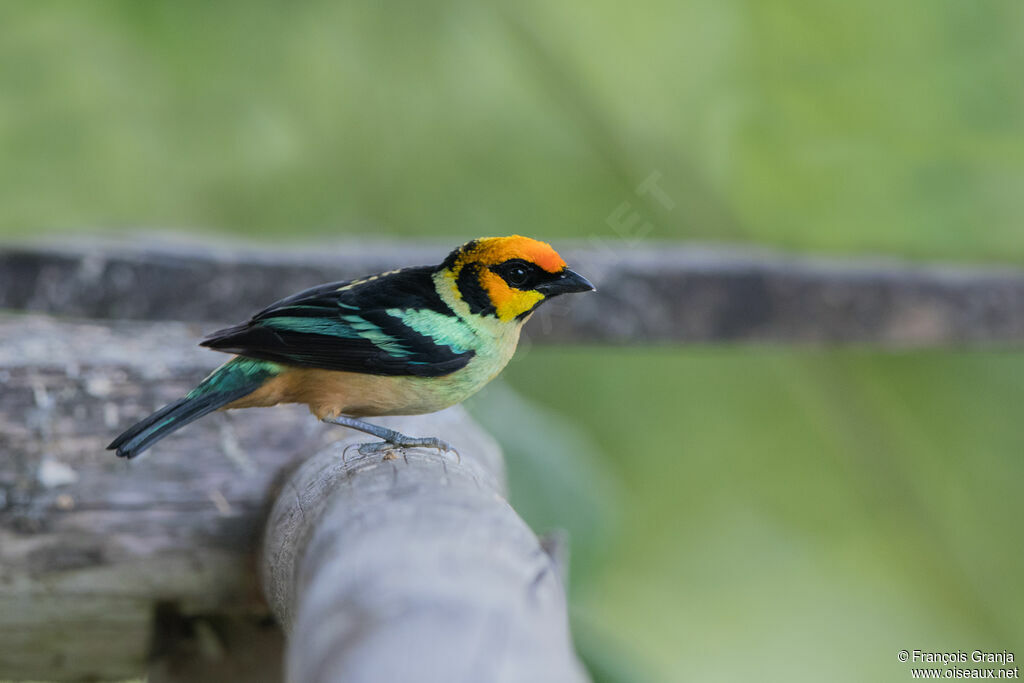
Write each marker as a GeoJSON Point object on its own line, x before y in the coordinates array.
{"type": "Point", "coordinates": [390, 436]}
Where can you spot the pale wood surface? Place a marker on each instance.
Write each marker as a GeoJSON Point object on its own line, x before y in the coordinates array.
{"type": "Point", "coordinates": [93, 548]}
{"type": "Point", "coordinates": [90, 544]}
{"type": "Point", "coordinates": [414, 569]}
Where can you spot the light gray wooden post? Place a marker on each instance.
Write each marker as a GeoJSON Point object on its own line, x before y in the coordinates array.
{"type": "Point", "coordinates": [413, 568]}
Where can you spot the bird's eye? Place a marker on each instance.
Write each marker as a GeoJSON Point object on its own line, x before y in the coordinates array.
{"type": "Point", "coordinates": [517, 273]}
{"type": "Point", "coordinates": [517, 276]}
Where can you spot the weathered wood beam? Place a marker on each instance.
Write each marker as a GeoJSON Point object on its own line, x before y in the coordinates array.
{"type": "Point", "coordinates": [106, 564]}
{"type": "Point", "coordinates": [414, 569]}
{"type": "Point", "coordinates": [93, 547]}
{"type": "Point", "coordinates": [651, 294]}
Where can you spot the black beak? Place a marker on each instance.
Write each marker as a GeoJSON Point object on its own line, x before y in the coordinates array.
{"type": "Point", "coordinates": [566, 282]}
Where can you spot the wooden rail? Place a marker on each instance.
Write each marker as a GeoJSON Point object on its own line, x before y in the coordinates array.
{"type": "Point", "coordinates": [651, 294]}
{"type": "Point", "coordinates": [109, 568]}
{"type": "Point", "coordinates": [414, 569]}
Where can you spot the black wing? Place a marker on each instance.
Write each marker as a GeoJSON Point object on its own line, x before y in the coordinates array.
{"type": "Point", "coordinates": [346, 326]}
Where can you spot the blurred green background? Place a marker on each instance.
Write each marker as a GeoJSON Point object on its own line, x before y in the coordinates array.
{"type": "Point", "coordinates": [737, 513]}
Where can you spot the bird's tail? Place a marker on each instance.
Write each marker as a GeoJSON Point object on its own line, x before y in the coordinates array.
{"type": "Point", "coordinates": [233, 380]}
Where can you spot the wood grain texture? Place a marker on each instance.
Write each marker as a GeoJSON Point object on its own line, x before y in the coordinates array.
{"type": "Point", "coordinates": [109, 567]}
{"type": "Point", "coordinates": [90, 545]}
{"type": "Point", "coordinates": [414, 569]}
{"type": "Point", "coordinates": [650, 293]}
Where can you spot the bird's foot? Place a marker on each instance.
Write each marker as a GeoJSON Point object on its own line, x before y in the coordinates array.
{"type": "Point", "coordinates": [388, 448]}
{"type": "Point", "coordinates": [393, 441]}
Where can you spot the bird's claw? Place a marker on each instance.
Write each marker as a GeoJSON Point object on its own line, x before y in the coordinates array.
{"type": "Point", "coordinates": [344, 452]}
{"type": "Point", "coordinates": [388, 448]}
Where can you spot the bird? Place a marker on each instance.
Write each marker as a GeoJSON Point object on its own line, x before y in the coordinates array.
{"type": "Point", "coordinates": [403, 342]}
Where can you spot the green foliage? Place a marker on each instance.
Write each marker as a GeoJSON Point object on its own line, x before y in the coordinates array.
{"type": "Point", "coordinates": [795, 511]}
{"type": "Point", "coordinates": [847, 126]}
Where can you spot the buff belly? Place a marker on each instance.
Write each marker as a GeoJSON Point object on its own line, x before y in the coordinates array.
{"type": "Point", "coordinates": [329, 393]}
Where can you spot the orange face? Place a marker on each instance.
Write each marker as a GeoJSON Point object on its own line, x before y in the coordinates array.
{"type": "Point", "coordinates": [487, 256]}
